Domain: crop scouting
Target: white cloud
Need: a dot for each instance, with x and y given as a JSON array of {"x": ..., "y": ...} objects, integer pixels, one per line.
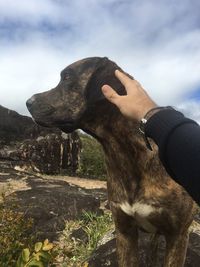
[
  {"x": 157, "y": 42},
  {"x": 190, "y": 109},
  {"x": 31, "y": 11}
]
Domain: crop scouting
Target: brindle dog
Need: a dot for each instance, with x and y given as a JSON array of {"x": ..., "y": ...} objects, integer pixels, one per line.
[{"x": 140, "y": 192}]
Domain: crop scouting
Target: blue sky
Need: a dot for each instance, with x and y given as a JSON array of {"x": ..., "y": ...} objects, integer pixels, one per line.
[{"x": 158, "y": 42}]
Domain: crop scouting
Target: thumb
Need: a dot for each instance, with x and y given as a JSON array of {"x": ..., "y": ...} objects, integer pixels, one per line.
[{"x": 110, "y": 94}]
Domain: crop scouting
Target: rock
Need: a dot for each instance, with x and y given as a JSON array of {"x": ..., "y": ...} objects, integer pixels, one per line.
[
  {"x": 52, "y": 153},
  {"x": 106, "y": 238},
  {"x": 80, "y": 235},
  {"x": 15, "y": 127},
  {"x": 34, "y": 147},
  {"x": 50, "y": 202},
  {"x": 71, "y": 151},
  {"x": 105, "y": 254}
]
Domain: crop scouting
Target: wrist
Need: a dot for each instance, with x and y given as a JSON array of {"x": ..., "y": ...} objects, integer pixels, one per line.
[
  {"x": 145, "y": 110},
  {"x": 145, "y": 119}
]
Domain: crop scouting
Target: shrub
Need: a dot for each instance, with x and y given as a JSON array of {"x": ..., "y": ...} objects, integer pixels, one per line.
[
  {"x": 91, "y": 159},
  {"x": 14, "y": 234},
  {"x": 16, "y": 239},
  {"x": 40, "y": 256}
]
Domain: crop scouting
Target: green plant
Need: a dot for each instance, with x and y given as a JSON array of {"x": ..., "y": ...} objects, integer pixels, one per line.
[
  {"x": 95, "y": 227},
  {"x": 76, "y": 252},
  {"x": 41, "y": 256},
  {"x": 91, "y": 158},
  {"x": 14, "y": 233}
]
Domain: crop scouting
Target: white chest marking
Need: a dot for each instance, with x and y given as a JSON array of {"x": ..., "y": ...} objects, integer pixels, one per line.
[{"x": 140, "y": 212}]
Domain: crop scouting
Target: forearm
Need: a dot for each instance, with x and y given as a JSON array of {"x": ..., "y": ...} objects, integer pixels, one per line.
[{"x": 178, "y": 139}]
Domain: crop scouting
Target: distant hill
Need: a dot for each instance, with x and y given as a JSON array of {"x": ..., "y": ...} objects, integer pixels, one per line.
[{"x": 16, "y": 127}]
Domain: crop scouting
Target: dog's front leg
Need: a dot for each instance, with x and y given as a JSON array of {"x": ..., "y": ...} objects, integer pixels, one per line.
[
  {"x": 176, "y": 247},
  {"x": 126, "y": 239}
]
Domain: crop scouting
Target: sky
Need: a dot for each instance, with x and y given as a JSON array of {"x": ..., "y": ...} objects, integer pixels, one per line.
[{"x": 157, "y": 42}]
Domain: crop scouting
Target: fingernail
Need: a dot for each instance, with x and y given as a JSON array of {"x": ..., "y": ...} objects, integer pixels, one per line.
[
  {"x": 118, "y": 72},
  {"x": 104, "y": 87}
]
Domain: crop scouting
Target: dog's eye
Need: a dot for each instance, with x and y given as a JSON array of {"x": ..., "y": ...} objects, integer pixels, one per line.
[{"x": 66, "y": 76}]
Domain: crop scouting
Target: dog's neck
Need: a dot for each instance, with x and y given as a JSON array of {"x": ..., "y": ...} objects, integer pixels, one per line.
[
  {"x": 126, "y": 154},
  {"x": 117, "y": 133}
]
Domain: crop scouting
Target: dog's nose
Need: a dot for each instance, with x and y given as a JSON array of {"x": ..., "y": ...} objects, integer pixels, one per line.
[{"x": 30, "y": 101}]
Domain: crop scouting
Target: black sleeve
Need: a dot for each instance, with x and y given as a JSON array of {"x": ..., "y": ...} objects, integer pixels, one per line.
[{"x": 178, "y": 140}]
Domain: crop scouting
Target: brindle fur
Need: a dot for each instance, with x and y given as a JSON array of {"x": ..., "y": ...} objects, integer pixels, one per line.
[{"x": 135, "y": 174}]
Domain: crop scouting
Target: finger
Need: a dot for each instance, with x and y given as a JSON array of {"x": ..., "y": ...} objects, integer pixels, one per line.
[
  {"x": 110, "y": 94},
  {"x": 124, "y": 79},
  {"x": 129, "y": 84}
]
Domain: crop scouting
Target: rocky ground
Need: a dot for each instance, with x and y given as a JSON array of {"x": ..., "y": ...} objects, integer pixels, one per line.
[{"x": 51, "y": 200}]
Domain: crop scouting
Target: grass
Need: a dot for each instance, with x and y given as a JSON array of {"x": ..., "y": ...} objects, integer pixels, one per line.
[
  {"x": 16, "y": 237},
  {"x": 74, "y": 252}
]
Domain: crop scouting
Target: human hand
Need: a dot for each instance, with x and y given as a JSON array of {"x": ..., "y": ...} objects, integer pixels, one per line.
[{"x": 133, "y": 105}]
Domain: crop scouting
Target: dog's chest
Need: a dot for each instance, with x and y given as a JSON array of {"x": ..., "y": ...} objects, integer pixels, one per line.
[{"x": 141, "y": 212}]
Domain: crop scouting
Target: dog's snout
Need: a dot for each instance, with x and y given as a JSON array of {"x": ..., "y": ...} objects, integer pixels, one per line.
[{"x": 30, "y": 101}]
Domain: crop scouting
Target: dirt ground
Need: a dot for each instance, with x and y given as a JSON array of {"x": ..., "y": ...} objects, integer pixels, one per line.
[
  {"x": 81, "y": 182},
  {"x": 13, "y": 179}
]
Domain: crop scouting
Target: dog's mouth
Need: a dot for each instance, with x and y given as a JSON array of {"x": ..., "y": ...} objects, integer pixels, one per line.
[
  {"x": 65, "y": 126},
  {"x": 43, "y": 124}
]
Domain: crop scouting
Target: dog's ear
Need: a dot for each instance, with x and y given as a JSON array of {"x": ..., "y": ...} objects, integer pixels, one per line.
[
  {"x": 93, "y": 93},
  {"x": 104, "y": 73}
]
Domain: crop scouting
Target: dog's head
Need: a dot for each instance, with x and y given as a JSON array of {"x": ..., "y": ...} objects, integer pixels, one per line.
[{"x": 78, "y": 97}]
